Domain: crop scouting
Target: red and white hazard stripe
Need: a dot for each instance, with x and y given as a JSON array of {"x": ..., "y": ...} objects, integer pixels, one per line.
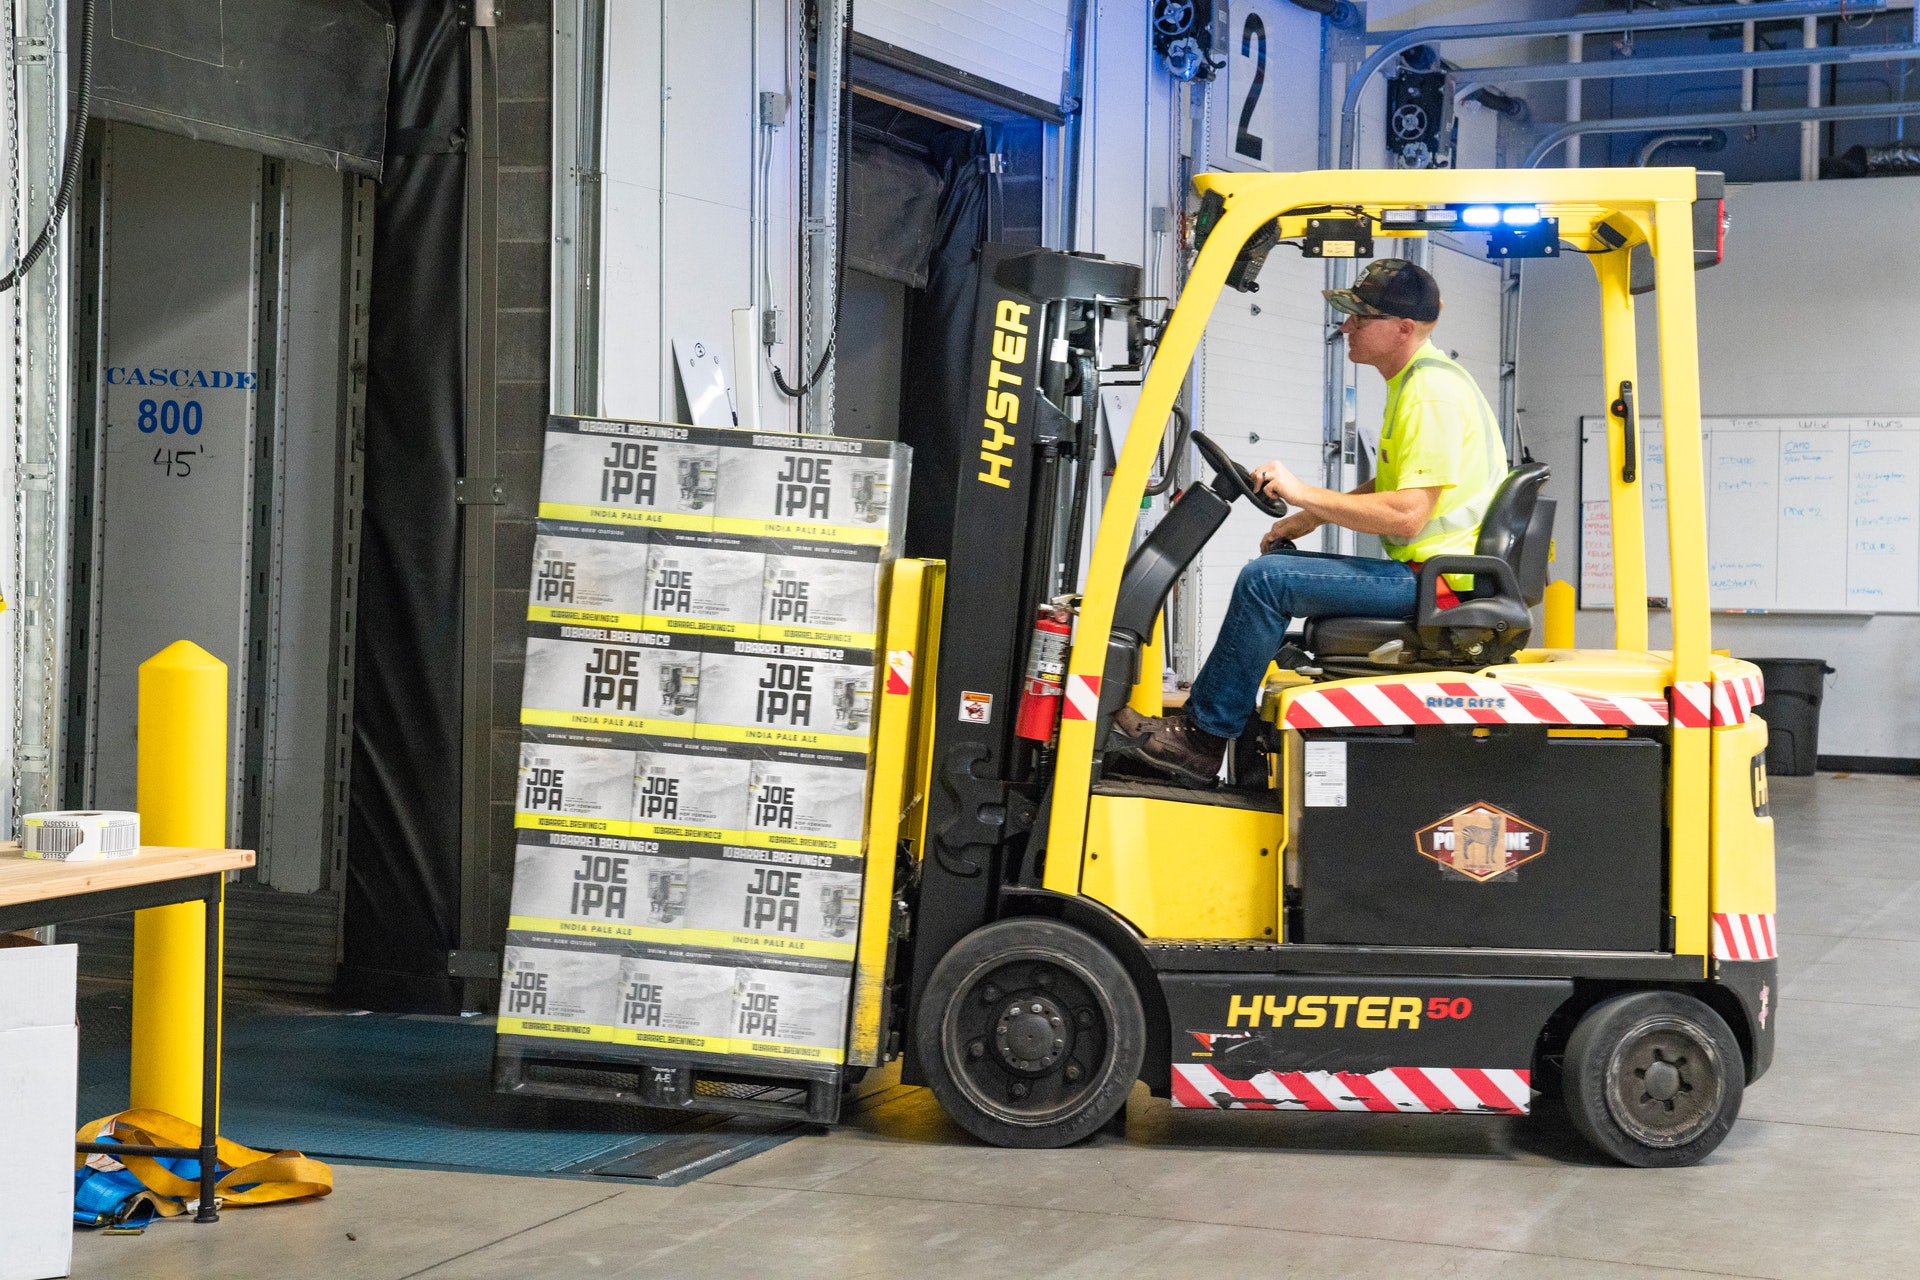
[
  {"x": 1702, "y": 704},
  {"x": 1447, "y": 1090},
  {"x": 1744, "y": 936},
  {"x": 1468, "y": 701},
  {"x": 899, "y": 671},
  {"x": 1083, "y": 698}
]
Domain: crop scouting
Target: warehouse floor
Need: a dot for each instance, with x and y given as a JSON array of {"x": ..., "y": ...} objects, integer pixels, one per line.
[{"x": 1820, "y": 1177}]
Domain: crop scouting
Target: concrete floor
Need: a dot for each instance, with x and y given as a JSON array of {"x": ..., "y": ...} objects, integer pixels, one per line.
[{"x": 1821, "y": 1177}]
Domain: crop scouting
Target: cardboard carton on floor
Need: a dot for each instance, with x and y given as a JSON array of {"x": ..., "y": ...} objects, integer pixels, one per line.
[{"x": 39, "y": 1064}]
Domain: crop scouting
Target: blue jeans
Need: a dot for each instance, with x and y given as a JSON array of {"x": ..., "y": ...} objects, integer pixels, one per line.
[{"x": 1270, "y": 593}]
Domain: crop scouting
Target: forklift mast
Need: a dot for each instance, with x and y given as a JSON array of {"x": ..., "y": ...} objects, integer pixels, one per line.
[{"x": 1023, "y": 478}]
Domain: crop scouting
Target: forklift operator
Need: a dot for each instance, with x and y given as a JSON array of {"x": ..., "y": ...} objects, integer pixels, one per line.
[{"x": 1440, "y": 461}]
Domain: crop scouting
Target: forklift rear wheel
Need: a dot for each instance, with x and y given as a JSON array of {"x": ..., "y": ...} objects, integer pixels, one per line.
[
  {"x": 1030, "y": 1034},
  {"x": 1654, "y": 1079}
]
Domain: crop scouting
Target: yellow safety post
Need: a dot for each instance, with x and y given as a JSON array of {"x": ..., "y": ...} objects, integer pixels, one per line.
[
  {"x": 182, "y": 799},
  {"x": 1559, "y": 615},
  {"x": 1148, "y": 695}
]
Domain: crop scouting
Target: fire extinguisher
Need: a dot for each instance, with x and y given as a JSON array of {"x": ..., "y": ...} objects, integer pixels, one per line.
[{"x": 1046, "y": 669}]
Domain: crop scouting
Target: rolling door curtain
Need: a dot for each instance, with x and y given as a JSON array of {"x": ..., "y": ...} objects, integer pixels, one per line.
[
  {"x": 302, "y": 80},
  {"x": 402, "y": 908},
  {"x": 1017, "y": 44}
]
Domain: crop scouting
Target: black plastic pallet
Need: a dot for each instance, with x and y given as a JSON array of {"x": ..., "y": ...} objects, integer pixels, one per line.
[{"x": 730, "y": 1084}]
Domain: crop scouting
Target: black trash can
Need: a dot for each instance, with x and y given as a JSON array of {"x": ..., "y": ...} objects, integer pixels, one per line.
[{"x": 1792, "y": 712}]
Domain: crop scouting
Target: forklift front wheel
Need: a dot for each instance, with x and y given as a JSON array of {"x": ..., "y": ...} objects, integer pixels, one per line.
[
  {"x": 1653, "y": 1078},
  {"x": 1030, "y": 1034}
]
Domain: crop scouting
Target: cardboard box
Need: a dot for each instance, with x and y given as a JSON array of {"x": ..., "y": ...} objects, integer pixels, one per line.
[
  {"x": 794, "y": 1009},
  {"x": 705, "y": 583},
  {"x": 675, "y": 998},
  {"x": 807, "y": 800},
  {"x": 564, "y": 786},
  {"x": 775, "y": 900},
  {"x": 824, "y": 488},
  {"x": 795, "y": 695},
  {"x": 596, "y": 886},
  {"x": 593, "y": 574},
  {"x": 39, "y": 1068},
  {"x": 690, "y": 790},
  {"x": 609, "y": 679},
  {"x": 826, "y": 593},
  {"x": 558, "y": 987},
  {"x": 653, "y": 474}
]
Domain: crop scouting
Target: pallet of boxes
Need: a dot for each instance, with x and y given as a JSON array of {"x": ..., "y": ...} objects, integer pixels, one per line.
[{"x": 697, "y": 716}]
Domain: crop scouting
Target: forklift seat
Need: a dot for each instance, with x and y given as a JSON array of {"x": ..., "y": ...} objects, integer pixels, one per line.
[{"x": 1493, "y": 619}]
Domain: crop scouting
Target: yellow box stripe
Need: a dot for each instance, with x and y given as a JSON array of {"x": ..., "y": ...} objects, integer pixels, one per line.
[
  {"x": 704, "y": 626},
  {"x": 561, "y": 822},
  {"x": 780, "y": 737},
  {"x": 715, "y": 939},
  {"x": 617, "y": 724},
  {"x": 554, "y": 1028},
  {"x": 816, "y": 635},
  {"x": 858, "y": 535},
  {"x": 587, "y": 617},
  {"x": 623, "y": 515}
]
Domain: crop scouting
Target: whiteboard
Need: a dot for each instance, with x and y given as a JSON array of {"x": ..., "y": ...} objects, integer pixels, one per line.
[{"x": 1804, "y": 514}]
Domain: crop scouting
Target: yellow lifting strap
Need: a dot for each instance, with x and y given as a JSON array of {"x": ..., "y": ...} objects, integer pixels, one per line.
[{"x": 252, "y": 1177}]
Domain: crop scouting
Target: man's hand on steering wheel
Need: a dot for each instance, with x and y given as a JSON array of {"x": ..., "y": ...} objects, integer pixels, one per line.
[
  {"x": 1277, "y": 481},
  {"x": 1288, "y": 531}
]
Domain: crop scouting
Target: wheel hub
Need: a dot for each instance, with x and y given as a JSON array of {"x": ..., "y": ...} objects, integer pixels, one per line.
[
  {"x": 1032, "y": 1034},
  {"x": 1664, "y": 1083}
]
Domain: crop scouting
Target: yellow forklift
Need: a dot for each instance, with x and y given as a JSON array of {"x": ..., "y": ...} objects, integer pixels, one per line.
[{"x": 1451, "y": 871}]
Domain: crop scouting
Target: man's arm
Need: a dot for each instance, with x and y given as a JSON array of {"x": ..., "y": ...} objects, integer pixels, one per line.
[
  {"x": 1400, "y": 512},
  {"x": 1298, "y": 524}
]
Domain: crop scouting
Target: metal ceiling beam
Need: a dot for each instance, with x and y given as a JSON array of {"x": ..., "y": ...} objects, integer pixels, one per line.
[
  {"x": 1707, "y": 119},
  {"x": 1710, "y": 15},
  {"x": 1471, "y": 78}
]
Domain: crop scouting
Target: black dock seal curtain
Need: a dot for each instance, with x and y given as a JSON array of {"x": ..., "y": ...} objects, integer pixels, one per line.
[
  {"x": 302, "y": 80},
  {"x": 938, "y": 417},
  {"x": 402, "y": 910}
]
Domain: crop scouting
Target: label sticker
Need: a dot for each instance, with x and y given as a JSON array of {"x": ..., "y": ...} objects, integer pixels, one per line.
[
  {"x": 1326, "y": 775},
  {"x": 976, "y": 708},
  {"x": 1482, "y": 843}
]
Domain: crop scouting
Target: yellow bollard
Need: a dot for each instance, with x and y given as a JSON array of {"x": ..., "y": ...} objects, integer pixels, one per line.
[
  {"x": 1559, "y": 616},
  {"x": 1147, "y": 695},
  {"x": 182, "y": 799}
]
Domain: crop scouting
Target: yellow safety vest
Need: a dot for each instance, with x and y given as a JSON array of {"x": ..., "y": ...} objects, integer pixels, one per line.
[{"x": 1454, "y": 527}]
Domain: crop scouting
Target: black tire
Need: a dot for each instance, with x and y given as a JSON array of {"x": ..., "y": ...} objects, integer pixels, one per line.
[
  {"x": 1653, "y": 1079},
  {"x": 1030, "y": 1034}
]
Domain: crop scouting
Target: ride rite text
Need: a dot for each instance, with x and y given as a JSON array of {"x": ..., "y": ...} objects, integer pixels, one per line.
[
  {"x": 629, "y": 473},
  {"x": 804, "y": 488}
]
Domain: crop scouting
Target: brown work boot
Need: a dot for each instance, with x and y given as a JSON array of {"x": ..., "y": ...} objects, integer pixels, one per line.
[{"x": 1174, "y": 745}]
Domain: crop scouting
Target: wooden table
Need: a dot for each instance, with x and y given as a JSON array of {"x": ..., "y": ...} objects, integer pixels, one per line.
[{"x": 36, "y": 893}]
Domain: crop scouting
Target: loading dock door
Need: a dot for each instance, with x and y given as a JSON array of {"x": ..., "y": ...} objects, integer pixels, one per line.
[{"x": 211, "y": 508}]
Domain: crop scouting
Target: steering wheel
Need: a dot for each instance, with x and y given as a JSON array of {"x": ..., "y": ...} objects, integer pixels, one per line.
[{"x": 1237, "y": 480}]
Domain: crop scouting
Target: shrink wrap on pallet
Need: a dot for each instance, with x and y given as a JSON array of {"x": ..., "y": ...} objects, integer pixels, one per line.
[{"x": 697, "y": 710}]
